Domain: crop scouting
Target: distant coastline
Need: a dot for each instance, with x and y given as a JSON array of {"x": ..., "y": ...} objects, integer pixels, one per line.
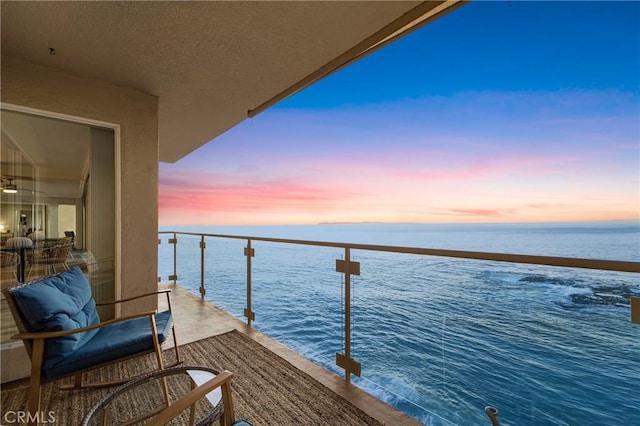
[{"x": 604, "y": 222}]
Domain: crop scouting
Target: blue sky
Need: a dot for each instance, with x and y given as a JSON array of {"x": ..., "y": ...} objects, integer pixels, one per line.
[
  {"x": 498, "y": 112},
  {"x": 494, "y": 46}
]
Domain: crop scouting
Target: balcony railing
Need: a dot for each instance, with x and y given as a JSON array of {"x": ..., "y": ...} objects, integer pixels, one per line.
[{"x": 379, "y": 311}]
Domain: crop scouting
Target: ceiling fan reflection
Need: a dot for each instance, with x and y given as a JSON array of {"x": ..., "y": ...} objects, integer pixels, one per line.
[{"x": 8, "y": 187}]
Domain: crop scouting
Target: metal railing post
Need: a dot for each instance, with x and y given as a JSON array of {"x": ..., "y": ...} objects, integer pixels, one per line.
[
  {"x": 174, "y": 241},
  {"x": 635, "y": 310},
  {"x": 248, "y": 312},
  {"x": 203, "y": 245},
  {"x": 348, "y": 268},
  {"x": 159, "y": 277}
]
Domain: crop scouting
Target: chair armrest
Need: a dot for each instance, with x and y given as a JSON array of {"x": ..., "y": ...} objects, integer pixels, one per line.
[
  {"x": 222, "y": 380},
  {"x": 51, "y": 334},
  {"x": 113, "y": 302}
]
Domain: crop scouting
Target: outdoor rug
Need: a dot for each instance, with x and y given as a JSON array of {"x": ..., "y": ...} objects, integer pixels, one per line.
[{"x": 267, "y": 390}]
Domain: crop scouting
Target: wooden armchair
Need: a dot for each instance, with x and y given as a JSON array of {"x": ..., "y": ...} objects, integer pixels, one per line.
[
  {"x": 223, "y": 381},
  {"x": 62, "y": 332},
  {"x": 200, "y": 396}
]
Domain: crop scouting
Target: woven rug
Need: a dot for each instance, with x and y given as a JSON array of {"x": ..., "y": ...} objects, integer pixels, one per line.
[{"x": 267, "y": 390}]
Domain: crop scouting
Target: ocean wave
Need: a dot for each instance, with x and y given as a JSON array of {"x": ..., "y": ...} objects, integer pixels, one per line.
[{"x": 395, "y": 391}]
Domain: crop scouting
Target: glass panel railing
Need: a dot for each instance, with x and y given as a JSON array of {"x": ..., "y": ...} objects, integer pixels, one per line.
[
  {"x": 297, "y": 299},
  {"x": 187, "y": 265},
  {"x": 224, "y": 269},
  {"x": 225, "y": 278},
  {"x": 439, "y": 335},
  {"x": 398, "y": 307},
  {"x": 441, "y": 339}
]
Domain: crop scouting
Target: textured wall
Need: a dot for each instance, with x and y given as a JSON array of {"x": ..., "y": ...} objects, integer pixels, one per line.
[{"x": 48, "y": 89}]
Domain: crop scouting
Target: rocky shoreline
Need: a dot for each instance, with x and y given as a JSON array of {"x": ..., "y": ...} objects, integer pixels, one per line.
[{"x": 617, "y": 296}]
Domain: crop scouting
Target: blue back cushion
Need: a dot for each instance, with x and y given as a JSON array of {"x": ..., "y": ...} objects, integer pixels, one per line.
[{"x": 59, "y": 302}]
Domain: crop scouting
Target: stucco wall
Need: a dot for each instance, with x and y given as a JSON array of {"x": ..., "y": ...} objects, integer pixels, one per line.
[{"x": 48, "y": 89}]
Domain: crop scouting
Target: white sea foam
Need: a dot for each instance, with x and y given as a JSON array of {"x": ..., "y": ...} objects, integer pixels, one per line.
[{"x": 568, "y": 291}]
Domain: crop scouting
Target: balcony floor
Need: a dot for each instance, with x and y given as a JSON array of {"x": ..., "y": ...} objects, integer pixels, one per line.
[{"x": 191, "y": 314}]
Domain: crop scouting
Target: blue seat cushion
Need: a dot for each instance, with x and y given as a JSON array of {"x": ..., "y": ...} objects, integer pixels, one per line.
[
  {"x": 110, "y": 343},
  {"x": 56, "y": 303}
]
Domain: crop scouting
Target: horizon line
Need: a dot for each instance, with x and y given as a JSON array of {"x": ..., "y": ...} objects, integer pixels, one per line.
[{"x": 595, "y": 221}]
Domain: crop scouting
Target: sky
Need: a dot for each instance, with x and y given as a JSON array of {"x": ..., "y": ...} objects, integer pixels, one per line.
[{"x": 498, "y": 112}]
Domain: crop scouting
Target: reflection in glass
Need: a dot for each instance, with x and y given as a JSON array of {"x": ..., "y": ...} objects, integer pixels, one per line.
[{"x": 57, "y": 182}]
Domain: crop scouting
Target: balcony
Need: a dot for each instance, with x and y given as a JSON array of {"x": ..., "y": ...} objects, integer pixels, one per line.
[
  {"x": 470, "y": 351},
  {"x": 537, "y": 342}
]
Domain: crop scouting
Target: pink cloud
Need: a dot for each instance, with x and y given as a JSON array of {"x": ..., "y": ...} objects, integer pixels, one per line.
[{"x": 228, "y": 196}]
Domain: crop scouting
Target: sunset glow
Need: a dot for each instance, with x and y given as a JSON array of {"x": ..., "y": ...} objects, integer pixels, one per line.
[{"x": 482, "y": 147}]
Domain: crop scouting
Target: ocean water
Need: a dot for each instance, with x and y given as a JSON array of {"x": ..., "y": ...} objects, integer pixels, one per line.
[{"x": 441, "y": 338}]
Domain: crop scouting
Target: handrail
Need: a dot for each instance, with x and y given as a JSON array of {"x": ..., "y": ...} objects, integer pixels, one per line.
[{"x": 569, "y": 262}]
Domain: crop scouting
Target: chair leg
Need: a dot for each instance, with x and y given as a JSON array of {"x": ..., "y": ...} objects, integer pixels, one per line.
[
  {"x": 192, "y": 414},
  {"x": 34, "y": 388},
  {"x": 158, "y": 350},
  {"x": 227, "y": 402},
  {"x": 175, "y": 345},
  {"x": 156, "y": 343},
  {"x": 77, "y": 380},
  {"x": 173, "y": 331}
]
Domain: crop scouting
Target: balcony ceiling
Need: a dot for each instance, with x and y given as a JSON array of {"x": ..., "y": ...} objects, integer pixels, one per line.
[{"x": 208, "y": 62}]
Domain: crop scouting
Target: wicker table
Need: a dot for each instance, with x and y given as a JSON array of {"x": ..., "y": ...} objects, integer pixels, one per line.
[
  {"x": 141, "y": 398},
  {"x": 19, "y": 245}
]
